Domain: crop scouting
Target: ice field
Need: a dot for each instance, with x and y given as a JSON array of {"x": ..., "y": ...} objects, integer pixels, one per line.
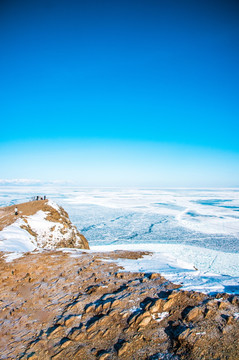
[{"x": 194, "y": 232}]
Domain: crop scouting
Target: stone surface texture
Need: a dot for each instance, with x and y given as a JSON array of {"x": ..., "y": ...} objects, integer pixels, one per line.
[{"x": 55, "y": 305}]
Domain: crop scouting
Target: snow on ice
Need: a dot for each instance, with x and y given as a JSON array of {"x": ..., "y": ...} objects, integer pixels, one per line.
[{"x": 193, "y": 233}]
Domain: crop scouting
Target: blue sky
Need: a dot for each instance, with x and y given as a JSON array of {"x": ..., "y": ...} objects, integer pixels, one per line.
[{"x": 137, "y": 93}]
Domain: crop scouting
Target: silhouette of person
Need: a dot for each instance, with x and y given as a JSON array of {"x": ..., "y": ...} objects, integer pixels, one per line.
[{"x": 16, "y": 211}]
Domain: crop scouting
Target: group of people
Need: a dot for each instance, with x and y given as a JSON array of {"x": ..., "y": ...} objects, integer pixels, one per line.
[{"x": 39, "y": 198}]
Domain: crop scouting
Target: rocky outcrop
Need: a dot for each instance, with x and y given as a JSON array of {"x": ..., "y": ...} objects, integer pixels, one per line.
[
  {"x": 39, "y": 224},
  {"x": 80, "y": 305},
  {"x": 58, "y": 306}
]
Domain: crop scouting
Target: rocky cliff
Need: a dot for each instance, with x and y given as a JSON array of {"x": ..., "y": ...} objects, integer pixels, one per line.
[
  {"x": 39, "y": 224},
  {"x": 57, "y": 305}
]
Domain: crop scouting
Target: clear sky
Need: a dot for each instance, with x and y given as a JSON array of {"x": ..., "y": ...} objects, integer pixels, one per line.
[{"x": 133, "y": 93}]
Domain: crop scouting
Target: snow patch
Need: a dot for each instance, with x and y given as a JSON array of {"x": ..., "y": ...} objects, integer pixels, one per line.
[
  {"x": 15, "y": 239},
  {"x": 236, "y": 316},
  {"x": 160, "y": 316},
  {"x": 12, "y": 256},
  {"x": 49, "y": 233},
  {"x": 53, "y": 205}
]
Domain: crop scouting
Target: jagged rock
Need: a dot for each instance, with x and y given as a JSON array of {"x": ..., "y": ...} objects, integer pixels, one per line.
[
  {"x": 157, "y": 306},
  {"x": 90, "y": 308},
  {"x": 106, "y": 306},
  {"x": 224, "y": 305},
  {"x": 62, "y": 314},
  {"x": 92, "y": 334},
  {"x": 115, "y": 303},
  {"x": 235, "y": 300},
  {"x": 79, "y": 336},
  {"x": 195, "y": 314},
  {"x": 142, "y": 316},
  {"x": 145, "y": 321},
  {"x": 58, "y": 356},
  {"x": 154, "y": 276},
  {"x": 176, "y": 300},
  {"x": 211, "y": 313},
  {"x": 123, "y": 349},
  {"x": 106, "y": 333},
  {"x": 184, "y": 335},
  {"x": 55, "y": 332},
  {"x": 65, "y": 343},
  {"x": 105, "y": 356},
  {"x": 169, "y": 304}
]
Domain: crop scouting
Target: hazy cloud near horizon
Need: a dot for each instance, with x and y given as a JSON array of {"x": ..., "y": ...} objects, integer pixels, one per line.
[{"x": 121, "y": 164}]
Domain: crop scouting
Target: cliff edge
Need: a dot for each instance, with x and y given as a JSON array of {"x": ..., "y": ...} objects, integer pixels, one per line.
[{"x": 38, "y": 224}]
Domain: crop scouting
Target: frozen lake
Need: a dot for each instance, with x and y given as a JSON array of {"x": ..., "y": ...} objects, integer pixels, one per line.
[
  {"x": 206, "y": 218},
  {"x": 199, "y": 227}
]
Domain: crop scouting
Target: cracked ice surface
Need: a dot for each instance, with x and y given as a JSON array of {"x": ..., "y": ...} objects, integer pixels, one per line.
[{"x": 200, "y": 226}]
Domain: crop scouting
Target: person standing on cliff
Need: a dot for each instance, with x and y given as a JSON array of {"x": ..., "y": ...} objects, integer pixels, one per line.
[{"x": 16, "y": 211}]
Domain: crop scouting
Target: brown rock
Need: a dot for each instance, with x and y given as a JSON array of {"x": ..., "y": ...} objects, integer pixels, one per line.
[
  {"x": 115, "y": 303},
  {"x": 169, "y": 304},
  {"x": 66, "y": 343},
  {"x": 92, "y": 334},
  {"x": 64, "y": 295},
  {"x": 55, "y": 332},
  {"x": 210, "y": 313},
  {"x": 70, "y": 320},
  {"x": 195, "y": 314},
  {"x": 106, "y": 306},
  {"x": 230, "y": 320},
  {"x": 145, "y": 321},
  {"x": 224, "y": 305},
  {"x": 58, "y": 356},
  {"x": 124, "y": 348},
  {"x": 90, "y": 308},
  {"x": 104, "y": 356},
  {"x": 79, "y": 336},
  {"x": 106, "y": 333},
  {"x": 184, "y": 335},
  {"x": 157, "y": 306},
  {"x": 143, "y": 315},
  {"x": 235, "y": 300},
  {"x": 154, "y": 276}
]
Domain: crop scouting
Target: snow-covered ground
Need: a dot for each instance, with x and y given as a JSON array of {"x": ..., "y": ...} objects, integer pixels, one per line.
[
  {"x": 197, "y": 228},
  {"x": 195, "y": 268},
  {"x": 16, "y": 237}
]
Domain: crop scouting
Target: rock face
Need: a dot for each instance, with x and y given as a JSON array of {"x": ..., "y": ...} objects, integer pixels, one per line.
[
  {"x": 58, "y": 306},
  {"x": 39, "y": 224}
]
